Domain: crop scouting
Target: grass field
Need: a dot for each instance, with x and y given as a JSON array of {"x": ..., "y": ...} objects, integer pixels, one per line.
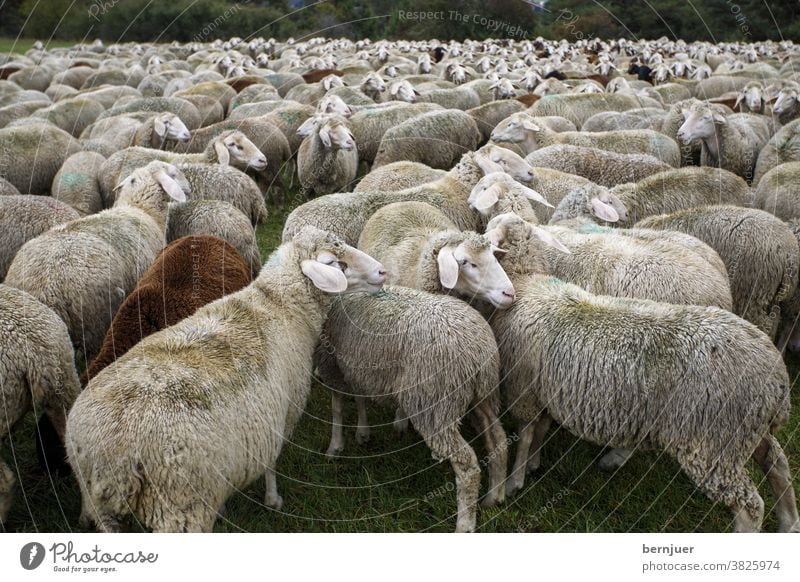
[
  {"x": 392, "y": 484},
  {"x": 20, "y": 45}
]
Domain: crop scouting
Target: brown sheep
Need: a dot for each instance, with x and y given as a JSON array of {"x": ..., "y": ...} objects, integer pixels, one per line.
[{"x": 189, "y": 273}]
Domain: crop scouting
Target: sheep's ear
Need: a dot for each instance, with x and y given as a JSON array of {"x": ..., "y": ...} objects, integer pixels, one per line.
[
  {"x": 448, "y": 268},
  {"x": 530, "y": 125},
  {"x": 738, "y": 100},
  {"x": 498, "y": 252},
  {"x": 487, "y": 198},
  {"x": 604, "y": 211},
  {"x": 325, "y": 278},
  {"x": 325, "y": 136},
  {"x": 170, "y": 186},
  {"x": 532, "y": 194},
  {"x": 160, "y": 127},
  {"x": 719, "y": 118},
  {"x": 547, "y": 238},
  {"x": 223, "y": 155}
]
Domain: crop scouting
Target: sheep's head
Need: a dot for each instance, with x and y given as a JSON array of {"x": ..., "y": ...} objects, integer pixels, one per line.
[
  {"x": 467, "y": 264},
  {"x": 593, "y": 202},
  {"x": 336, "y": 267},
  {"x": 169, "y": 126},
  {"x": 335, "y": 105},
  {"x": 403, "y": 91},
  {"x": 171, "y": 183},
  {"x": 752, "y": 95},
  {"x": 493, "y": 188},
  {"x": 373, "y": 83},
  {"x": 786, "y": 100},
  {"x": 334, "y": 135},
  {"x": 700, "y": 123},
  {"x": 520, "y": 239},
  {"x": 503, "y": 89},
  {"x": 331, "y": 81},
  {"x": 516, "y": 128},
  {"x": 509, "y": 162},
  {"x": 234, "y": 148}
]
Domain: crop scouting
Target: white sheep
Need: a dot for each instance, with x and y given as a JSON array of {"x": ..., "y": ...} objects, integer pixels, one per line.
[
  {"x": 37, "y": 369},
  {"x": 327, "y": 161},
  {"x": 221, "y": 391},
  {"x": 84, "y": 269}
]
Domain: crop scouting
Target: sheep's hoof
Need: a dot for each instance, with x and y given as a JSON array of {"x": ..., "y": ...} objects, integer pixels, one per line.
[
  {"x": 613, "y": 460},
  {"x": 533, "y": 465},
  {"x": 795, "y": 528},
  {"x": 85, "y": 521},
  {"x": 362, "y": 438},
  {"x": 334, "y": 451},
  {"x": 223, "y": 510},
  {"x": 274, "y": 501},
  {"x": 512, "y": 486},
  {"x": 400, "y": 426},
  {"x": 493, "y": 498},
  {"x": 465, "y": 526}
]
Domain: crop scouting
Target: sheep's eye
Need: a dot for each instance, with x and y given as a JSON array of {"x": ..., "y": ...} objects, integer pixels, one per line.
[{"x": 342, "y": 265}]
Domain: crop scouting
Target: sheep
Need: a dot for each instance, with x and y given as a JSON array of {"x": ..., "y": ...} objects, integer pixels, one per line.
[
  {"x": 679, "y": 189},
  {"x": 31, "y": 155},
  {"x": 37, "y": 369},
  {"x": 327, "y": 161},
  {"x": 345, "y": 214},
  {"x": 261, "y": 341},
  {"x": 189, "y": 273},
  {"x": 782, "y": 147},
  {"x": 759, "y": 251},
  {"x": 421, "y": 248},
  {"x": 228, "y": 148},
  {"x": 710, "y": 389},
  {"x": 264, "y": 135},
  {"x": 718, "y": 85},
  {"x": 523, "y": 130},
  {"x": 116, "y": 133},
  {"x": 398, "y": 176},
  {"x": 599, "y": 166},
  {"x": 184, "y": 109},
  {"x": 76, "y": 183},
  {"x": 24, "y": 217},
  {"x": 287, "y": 117},
  {"x": 750, "y": 98},
  {"x": 488, "y": 115},
  {"x": 579, "y": 107},
  {"x": 647, "y": 118},
  {"x": 369, "y": 125},
  {"x": 777, "y": 191},
  {"x": 216, "y": 218},
  {"x": 73, "y": 115},
  {"x": 729, "y": 141},
  {"x": 789, "y": 330},
  {"x": 461, "y": 98},
  {"x": 361, "y": 329},
  {"x": 786, "y": 103},
  {"x": 84, "y": 269},
  {"x": 690, "y": 152},
  {"x": 437, "y": 138},
  {"x": 546, "y": 186}
]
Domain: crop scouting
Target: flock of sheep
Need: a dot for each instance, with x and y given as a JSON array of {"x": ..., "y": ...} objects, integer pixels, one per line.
[{"x": 601, "y": 234}]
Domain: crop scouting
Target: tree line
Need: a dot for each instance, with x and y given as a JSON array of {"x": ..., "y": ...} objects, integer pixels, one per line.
[{"x": 202, "y": 20}]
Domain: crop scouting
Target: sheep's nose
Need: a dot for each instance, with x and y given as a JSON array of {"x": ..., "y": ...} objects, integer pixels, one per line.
[{"x": 510, "y": 293}]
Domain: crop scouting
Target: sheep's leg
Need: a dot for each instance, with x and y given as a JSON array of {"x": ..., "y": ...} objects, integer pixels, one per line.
[
  {"x": 362, "y": 430},
  {"x": 728, "y": 485},
  {"x": 449, "y": 444},
  {"x": 497, "y": 451},
  {"x": 614, "y": 459},
  {"x": 539, "y": 433},
  {"x": 400, "y": 423},
  {"x": 6, "y": 490},
  {"x": 517, "y": 478},
  {"x": 773, "y": 462},
  {"x": 271, "y": 497},
  {"x": 336, "y": 445}
]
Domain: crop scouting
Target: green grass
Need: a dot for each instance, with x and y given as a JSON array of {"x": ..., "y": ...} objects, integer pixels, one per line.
[
  {"x": 392, "y": 484},
  {"x": 20, "y": 45}
]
